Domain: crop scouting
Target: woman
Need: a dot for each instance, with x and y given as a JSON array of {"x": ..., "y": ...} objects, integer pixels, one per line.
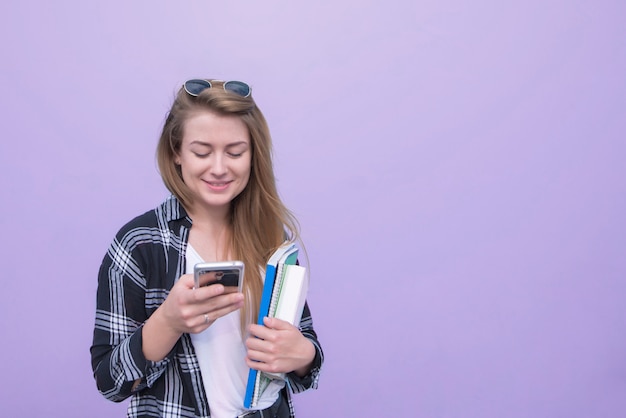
[{"x": 214, "y": 155}]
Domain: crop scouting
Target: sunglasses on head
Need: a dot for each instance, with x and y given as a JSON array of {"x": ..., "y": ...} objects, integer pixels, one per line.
[{"x": 196, "y": 86}]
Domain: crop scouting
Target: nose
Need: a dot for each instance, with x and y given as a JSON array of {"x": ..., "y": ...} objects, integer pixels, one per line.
[{"x": 218, "y": 165}]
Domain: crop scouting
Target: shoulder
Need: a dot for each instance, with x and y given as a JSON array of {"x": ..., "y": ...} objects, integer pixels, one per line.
[
  {"x": 145, "y": 221},
  {"x": 157, "y": 221}
]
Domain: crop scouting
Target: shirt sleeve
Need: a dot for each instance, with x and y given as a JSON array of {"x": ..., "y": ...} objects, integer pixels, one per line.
[
  {"x": 118, "y": 363},
  {"x": 310, "y": 381}
]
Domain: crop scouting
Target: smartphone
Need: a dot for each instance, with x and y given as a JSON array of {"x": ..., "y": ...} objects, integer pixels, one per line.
[{"x": 227, "y": 273}]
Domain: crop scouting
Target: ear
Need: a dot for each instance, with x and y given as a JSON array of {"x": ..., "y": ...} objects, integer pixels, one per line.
[{"x": 177, "y": 159}]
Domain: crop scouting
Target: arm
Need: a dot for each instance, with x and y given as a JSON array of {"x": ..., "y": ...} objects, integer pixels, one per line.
[
  {"x": 117, "y": 357},
  {"x": 130, "y": 351},
  {"x": 298, "y": 380}
]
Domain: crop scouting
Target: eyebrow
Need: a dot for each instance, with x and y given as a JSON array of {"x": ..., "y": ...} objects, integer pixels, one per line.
[{"x": 208, "y": 144}]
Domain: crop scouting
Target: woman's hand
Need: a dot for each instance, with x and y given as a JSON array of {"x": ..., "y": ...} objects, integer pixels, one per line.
[
  {"x": 191, "y": 310},
  {"x": 279, "y": 347},
  {"x": 185, "y": 310}
]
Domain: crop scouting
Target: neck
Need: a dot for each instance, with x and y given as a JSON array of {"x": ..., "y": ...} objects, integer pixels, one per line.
[
  {"x": 209, "y": 233},
  {"x": 211, "y": 217}
]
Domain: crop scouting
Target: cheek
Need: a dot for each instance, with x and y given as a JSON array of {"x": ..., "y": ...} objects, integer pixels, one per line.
[
  {"x": 245, "y": 172},
  {"x": 247, "y": 178},
  {"x": 244, "y": 166},
  {"x": 187, "y": 170},
  {"x": 191, "y": 164}
]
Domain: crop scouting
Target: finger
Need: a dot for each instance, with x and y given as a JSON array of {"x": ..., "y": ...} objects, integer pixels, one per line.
[
  {"x": 254, "y": 364},
  {"x": 186, "y": 280},
  {"x": 225, "y": 300},
  {"x": 202, "y": 294},
  {"x": 259, "y": 350},
  {"x": 269, "y": 365},
  {"x": 201, "y": 323},
  {"x": 275, "y": 323},
  {"x": 255, "y": 359},
  {"x": 254, "y": 343},
  {"x": 215, "y": 306},
  {"x": 206, "y": 318},
  {"x": 224, "y": 310},
  {"x": 260, "y": 331}
]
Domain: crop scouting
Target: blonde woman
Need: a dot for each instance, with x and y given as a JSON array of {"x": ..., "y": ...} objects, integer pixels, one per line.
[{"x": 184, "y": 352}]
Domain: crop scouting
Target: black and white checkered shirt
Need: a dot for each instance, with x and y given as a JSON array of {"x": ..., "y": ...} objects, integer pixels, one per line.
[{"x": 140, "y": 267}]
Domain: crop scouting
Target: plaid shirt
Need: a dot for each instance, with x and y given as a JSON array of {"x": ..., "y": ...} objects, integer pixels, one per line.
[{"x": 140, "y": 267}]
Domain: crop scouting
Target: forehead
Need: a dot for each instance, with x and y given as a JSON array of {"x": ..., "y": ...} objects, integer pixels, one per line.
[{"x": 211, "y": 127}]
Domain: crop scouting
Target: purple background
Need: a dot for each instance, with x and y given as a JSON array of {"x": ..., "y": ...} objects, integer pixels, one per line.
[{"x": 457, "y": 167}]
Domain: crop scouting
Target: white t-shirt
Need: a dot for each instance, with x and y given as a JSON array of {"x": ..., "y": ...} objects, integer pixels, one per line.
[{"x": 221, "y": 354}]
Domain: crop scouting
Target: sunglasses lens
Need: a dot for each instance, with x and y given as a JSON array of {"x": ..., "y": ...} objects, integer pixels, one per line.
[
  {"x": 195, "y": 87},
  {"x": 237, "y": 87}
]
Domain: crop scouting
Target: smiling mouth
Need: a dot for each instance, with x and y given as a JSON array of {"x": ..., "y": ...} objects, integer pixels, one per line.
[{"x": 217, "y": 185}]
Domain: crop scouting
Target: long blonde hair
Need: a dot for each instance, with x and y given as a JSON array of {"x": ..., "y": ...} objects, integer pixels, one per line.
[{"x": 259, "y": 220}]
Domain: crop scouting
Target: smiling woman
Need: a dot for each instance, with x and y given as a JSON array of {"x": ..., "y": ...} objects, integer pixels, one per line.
[{"x": 181, "y": 351}]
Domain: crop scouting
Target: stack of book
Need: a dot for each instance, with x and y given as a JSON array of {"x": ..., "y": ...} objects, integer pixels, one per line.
[{"x": 283, "y": 297}]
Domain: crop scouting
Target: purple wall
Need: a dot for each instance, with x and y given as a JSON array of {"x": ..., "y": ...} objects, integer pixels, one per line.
[{"x": 458, "y": 169}]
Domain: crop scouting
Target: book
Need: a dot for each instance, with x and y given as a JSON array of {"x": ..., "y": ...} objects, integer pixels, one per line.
[
  {"x": 290, "y": 258},
  {"x": 286, "y": 254},
  {"x": 288, "y": 298},
  {"x": 293, "y": 289}
]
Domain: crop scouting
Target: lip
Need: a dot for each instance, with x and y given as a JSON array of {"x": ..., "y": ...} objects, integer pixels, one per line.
[{"x": 217, "y": 186}]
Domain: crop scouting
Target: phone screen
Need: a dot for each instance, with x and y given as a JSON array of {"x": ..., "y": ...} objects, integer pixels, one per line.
[{"x": 228, "y": 274}]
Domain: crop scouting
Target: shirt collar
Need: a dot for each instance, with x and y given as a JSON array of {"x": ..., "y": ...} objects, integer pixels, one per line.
[{"x": 173, "y": 210}]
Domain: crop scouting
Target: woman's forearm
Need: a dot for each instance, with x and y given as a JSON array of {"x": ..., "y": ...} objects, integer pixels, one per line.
[{"x": 158, "y": 338}]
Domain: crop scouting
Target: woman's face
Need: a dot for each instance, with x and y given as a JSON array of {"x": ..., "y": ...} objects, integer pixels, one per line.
[{"x": 215, "y": 159}]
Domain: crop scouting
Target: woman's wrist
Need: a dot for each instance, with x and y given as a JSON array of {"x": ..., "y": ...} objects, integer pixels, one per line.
[
  {"x": 158, "y": 337},
  {"x": 309, "y": 356}
]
